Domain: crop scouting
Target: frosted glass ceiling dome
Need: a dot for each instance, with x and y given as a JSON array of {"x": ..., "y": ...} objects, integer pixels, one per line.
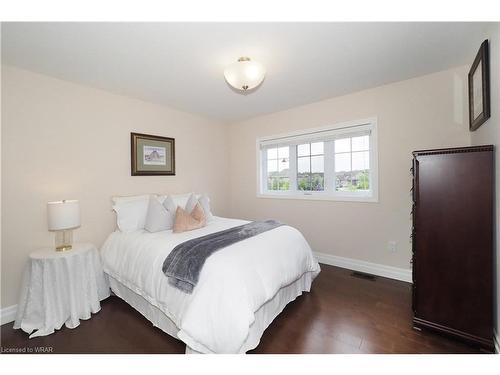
[{"x": 245, "y": 74}]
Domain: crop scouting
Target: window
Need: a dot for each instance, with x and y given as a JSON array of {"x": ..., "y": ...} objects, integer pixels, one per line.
[
  {"x": 310, "y": 166},
  {"x": 352, "y": 164},
  {"x": 278, "y": 165},
  {"x": 336, "y": 163}
]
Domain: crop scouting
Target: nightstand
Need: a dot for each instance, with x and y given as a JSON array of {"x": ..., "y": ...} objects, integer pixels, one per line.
[{"x": 60, "y": 288}]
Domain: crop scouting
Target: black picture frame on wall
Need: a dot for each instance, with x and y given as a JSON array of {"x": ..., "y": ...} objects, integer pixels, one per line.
[
  {"x": 152, "y": 155},
  {"x": 479, "y": 88}
]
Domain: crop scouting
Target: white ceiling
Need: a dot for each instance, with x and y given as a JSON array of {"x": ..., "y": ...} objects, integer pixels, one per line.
[{"x": 181, "y": 64}]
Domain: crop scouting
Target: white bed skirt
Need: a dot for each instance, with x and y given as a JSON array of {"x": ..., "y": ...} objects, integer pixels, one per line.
[{"x": 263, "y": 316}]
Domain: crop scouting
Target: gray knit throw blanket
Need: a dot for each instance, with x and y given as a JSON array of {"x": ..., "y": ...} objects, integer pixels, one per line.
[{"x": 184, "y": 264}]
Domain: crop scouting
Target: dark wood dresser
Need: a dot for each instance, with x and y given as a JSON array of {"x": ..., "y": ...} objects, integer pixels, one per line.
[{"x": 452, "y": 242}]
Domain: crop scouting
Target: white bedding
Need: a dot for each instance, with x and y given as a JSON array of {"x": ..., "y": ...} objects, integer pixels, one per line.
[{"x": 234, "y": 283}]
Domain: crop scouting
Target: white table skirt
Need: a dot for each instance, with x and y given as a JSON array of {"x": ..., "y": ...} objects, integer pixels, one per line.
[{"x": 60, "y": 288}]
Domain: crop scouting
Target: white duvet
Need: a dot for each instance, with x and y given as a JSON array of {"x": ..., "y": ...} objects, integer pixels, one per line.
[{"x": 234, "y": 282}]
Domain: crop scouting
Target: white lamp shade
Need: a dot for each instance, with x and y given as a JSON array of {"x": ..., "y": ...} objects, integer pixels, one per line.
[
  {"x": 245, "y": 74},
  {"x": 63, "y": 214}
]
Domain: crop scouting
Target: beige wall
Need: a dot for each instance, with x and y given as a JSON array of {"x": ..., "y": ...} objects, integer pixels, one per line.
[
  {"x": 489, "y": 133},
  {"x": 420, "y": 113},
  {"x": 61, "y": 140}
]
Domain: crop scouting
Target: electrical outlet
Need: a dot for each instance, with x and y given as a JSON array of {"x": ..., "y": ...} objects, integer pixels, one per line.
[{"x": 392, "y": 246}]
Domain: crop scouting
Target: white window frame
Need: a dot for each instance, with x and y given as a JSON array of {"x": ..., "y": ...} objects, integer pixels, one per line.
[{"x": 329, "y": 173}]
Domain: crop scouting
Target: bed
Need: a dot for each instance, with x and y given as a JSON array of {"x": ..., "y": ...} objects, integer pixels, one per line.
[{"x": 241, "y": 288}]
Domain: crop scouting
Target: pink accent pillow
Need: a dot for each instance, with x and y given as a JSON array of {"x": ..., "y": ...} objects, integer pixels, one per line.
[{"x": 185, "y": 221}]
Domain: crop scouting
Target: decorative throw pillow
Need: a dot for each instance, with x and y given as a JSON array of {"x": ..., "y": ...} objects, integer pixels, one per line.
[
  {"x": 185, "y": 221},
  {"x": 159, "y": 217},
  {"x": 199, "y": 215},
  {"x": 203, "y": 200}
]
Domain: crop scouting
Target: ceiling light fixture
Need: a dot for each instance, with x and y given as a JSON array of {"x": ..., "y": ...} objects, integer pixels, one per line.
[{"x": 245, "y": 74}]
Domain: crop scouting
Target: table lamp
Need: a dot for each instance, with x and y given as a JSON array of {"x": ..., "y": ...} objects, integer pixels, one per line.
[{"x": 63, "y": 216}]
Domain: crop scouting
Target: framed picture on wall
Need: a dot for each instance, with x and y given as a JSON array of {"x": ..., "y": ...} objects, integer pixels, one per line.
[
  {"x": 479, "y": 88},
  {"x": 152, "y": 155}
]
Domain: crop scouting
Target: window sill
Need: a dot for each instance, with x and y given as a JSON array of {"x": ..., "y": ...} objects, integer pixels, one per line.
[{"x": 319, "y": 197}]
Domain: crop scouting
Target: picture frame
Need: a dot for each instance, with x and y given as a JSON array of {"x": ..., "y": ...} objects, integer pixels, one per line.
[
  {"x": 479, "y": 88},
  {"x": 152, "y": 155}
]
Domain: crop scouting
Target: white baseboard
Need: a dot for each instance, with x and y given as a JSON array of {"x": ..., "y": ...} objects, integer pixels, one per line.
[
  {"x": 496, "y": 338},
  {"x": 8, "y": 314},
  {"x": 390, "y": 272}
]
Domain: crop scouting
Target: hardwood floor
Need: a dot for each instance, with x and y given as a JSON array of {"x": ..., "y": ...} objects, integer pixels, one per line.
[{"x": 342, "y": 314}]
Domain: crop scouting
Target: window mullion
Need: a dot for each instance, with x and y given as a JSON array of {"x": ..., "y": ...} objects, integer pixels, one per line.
[
  {"x": 329, "y": 167},
  {"x": 350, "y": 140},
  {"x": 310, "y": 168}
]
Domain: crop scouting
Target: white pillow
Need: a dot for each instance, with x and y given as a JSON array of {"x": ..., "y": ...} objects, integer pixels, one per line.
[
  {"x": 181, "y": 199},
  {"x": 170, "y": 206},
  {"x": 204, "y": 202},
  {"x": 131, "y": 212},
  {"x": 158, "y": 217},
  {"x": 129, "y": 198}
]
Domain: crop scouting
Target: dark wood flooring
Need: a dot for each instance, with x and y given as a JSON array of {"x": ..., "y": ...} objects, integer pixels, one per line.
[{"x": 342, "y": 314}]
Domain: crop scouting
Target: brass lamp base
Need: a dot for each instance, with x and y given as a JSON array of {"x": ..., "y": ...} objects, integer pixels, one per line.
[
  {"x": 64, "y": 239},
  {"x": 64, "y": 248}
]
